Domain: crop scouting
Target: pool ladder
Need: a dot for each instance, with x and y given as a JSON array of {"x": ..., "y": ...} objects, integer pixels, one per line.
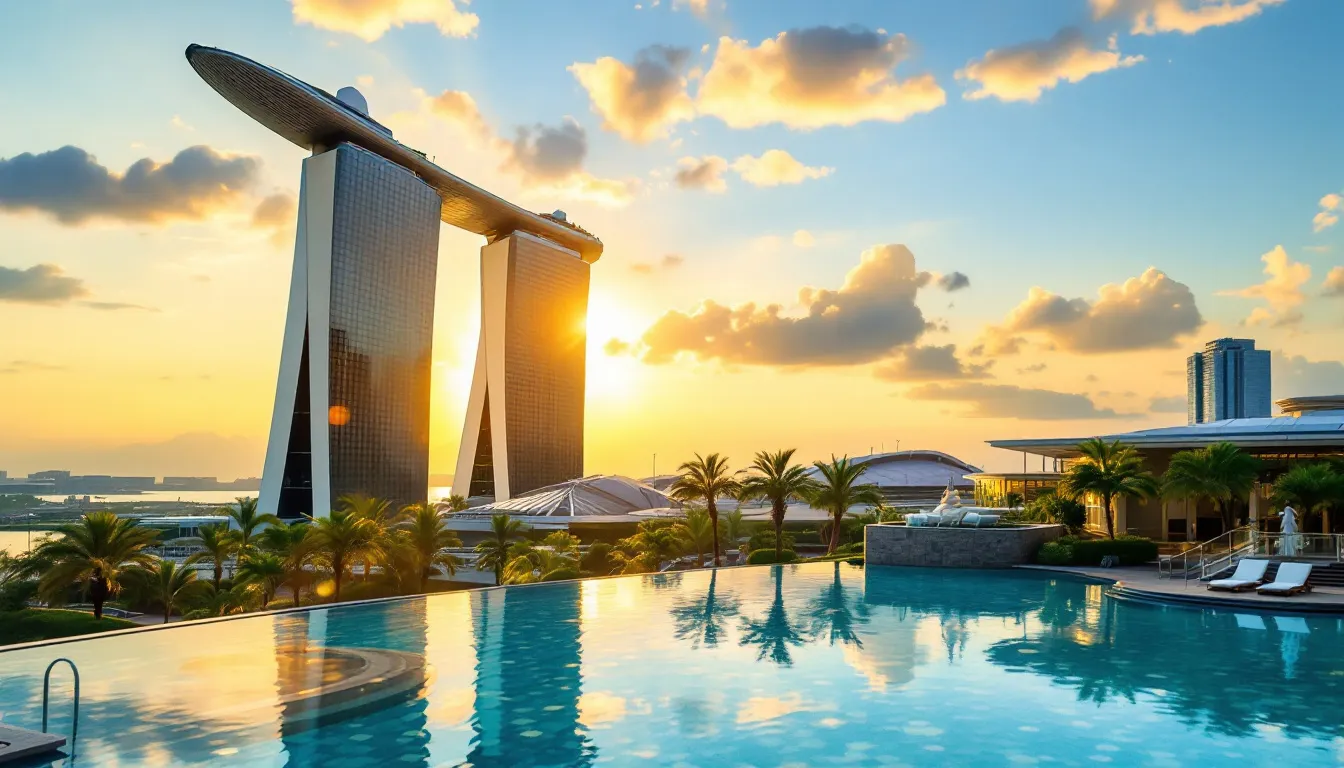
[{"x": 46, "y": 698}]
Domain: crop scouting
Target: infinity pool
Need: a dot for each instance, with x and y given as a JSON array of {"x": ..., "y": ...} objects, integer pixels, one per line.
[{"x": 811, "y": 665}]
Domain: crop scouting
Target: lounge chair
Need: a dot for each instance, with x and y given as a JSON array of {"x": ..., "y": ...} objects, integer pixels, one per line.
[
  {"x": 1290, "y": 580},
  {"x": 971, "y": 519},
  {"x": 988, "y": 521},
  {"x": 1249, "y": 573}
]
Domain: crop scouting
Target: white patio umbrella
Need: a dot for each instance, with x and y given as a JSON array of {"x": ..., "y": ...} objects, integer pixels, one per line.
[{"x": 1288, "y": 527}]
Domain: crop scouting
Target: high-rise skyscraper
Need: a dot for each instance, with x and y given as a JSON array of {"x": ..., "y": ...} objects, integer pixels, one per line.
[
  {"x": 352, "y": 403},
  {"x": 524, "y": 427},
  {"x": 1228, "y": 380}
]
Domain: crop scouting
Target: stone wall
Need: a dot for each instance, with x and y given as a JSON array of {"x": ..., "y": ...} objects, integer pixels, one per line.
[{"x": 955, "y": 547}]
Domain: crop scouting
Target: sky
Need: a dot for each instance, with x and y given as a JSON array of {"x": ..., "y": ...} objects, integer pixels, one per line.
[{"x": 838, "y": 227}]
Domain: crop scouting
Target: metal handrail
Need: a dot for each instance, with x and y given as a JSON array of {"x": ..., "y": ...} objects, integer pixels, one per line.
[
  {"x": 1214, "y": 555},
  {"x": 46, "y": 699}
]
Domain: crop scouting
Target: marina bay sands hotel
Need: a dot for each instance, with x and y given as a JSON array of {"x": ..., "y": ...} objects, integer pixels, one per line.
[{"x": 352, "y": 403}]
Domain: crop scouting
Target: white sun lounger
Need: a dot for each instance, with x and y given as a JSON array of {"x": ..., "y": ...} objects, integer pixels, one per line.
[
  {"x": 1291, "y": 579},
  {"x": 1249, "y": 573}
]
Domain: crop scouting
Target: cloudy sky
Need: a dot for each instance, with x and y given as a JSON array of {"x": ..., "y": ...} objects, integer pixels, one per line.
[{"x": 830, "y": 226}]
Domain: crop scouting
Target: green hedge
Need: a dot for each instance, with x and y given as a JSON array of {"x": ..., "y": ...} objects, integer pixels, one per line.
[
  {"x": 767, "y": 556},
  {"x": 31, "y": 624},
  {"x": 1071, "y": 550}
]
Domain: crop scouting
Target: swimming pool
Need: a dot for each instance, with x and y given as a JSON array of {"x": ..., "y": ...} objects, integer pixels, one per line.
[{"x": 817, "y": 664}]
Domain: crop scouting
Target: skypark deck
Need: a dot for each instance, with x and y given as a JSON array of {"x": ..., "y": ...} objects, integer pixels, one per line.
[{"x": 313, "y": 118}]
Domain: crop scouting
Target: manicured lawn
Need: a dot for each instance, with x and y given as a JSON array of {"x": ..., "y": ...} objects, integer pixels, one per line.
[{"x": 32, "y": 624}]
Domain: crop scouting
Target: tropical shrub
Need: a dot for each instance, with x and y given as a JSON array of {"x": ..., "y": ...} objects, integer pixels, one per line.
[
  {"x": 856, "y": 548},
  {"x": 1054, "y": 553},
  {"x": 561, "y": 574},
  {"x": 1132, "y": 550},
  {"x": 767, "y": 556},
  {"x": 1052, "y": 508},
  {"x": 597, "y": 560},
  {"x": 764, "y": 538}
]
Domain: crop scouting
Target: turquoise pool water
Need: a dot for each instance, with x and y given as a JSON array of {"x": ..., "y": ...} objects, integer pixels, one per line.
[{"x": 810, "y": 665}]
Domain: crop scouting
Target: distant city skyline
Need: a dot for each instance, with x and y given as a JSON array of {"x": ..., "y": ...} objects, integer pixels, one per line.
[{"x": 826, "y": 227}]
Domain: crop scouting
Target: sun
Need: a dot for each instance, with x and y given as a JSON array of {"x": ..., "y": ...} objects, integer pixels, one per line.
[{"x": 610, "y": 376}]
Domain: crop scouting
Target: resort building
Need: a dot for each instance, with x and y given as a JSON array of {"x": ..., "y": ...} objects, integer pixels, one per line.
[
  {"x": 1229, "y": 380},
  {"x": 1011, "y": 489},
  {"x": 351, "y": 409},
  {"x": 1309, "y": 428},
  {"x": 913, "y": 478}
]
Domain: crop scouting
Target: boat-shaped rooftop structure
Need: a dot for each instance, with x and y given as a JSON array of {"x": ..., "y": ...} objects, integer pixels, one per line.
[{"x": 312, "y": 118}]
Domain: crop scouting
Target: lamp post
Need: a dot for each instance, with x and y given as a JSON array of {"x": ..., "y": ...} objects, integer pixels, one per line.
[{"x": 30, "y": 531}]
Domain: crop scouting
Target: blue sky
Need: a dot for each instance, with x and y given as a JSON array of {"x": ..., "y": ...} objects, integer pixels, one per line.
[{"x": 1218, "y": 146}]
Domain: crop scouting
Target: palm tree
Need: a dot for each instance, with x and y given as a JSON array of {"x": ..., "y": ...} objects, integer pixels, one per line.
[
  {"x": 697, "y": 534},
  {"x": 493, "y": 553},
  {"x": 529, "y": 564},
  {"x": 704, "y": 621},
  {"x": 292, "y": 543},
  {"x": 219, "y": 544},
  {"x": 706, "y": 478},
  {"x": 1108, "y": 470},
  {"x": 248, "y": 520},
  {"x": 1310, "y": 487},
  {"x": 264, "y": 569},
  {"x": 378, "y": 511},
  {"x": 1221, "y": 473},
  {"x": 734, "y": 528},
  {"x": 838, "y": 490},
  {"x": 428, "y": 537},
  {"x": 165, "y": 583},
  {"x": 778, "y": 481},
  {"x": 97, "y": 540},
  {"x": 776, "y": 632},
  {"x": 342, "y": 538},
  {"x": 209, "y": 601},
  {"x": 455, "y": 503},
  {"x": 834, "y": 615}
]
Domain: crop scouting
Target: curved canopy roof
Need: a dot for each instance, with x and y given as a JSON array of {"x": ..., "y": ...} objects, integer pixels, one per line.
[
  {"x": 596, "y": 496},
  {"x": 310, "y": 117},
  {"x": 1309, "y": 428},
  {"x": 914, "y": 469}
]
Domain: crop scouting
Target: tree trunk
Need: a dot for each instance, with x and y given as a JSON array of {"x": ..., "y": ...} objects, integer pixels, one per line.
[
  {"x": 714, "y": 527},
  {"x": 338, "y": 569},
  {"x": 296, "y": 594},
  {"x": 835, "y": 532},
  {"x": 219, "y": 572},
  {"x": 778, "y": 518},
  {"x": 1110, "y": 515},
  {"x": 167, "y": 611}
]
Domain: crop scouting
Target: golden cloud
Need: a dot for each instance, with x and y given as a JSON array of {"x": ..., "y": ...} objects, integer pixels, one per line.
[
  {"x": 1149, "y": 17},
  {"x": 1334, "y": 282},
  {"x": 1145, "y": 312},
  {"x": 702, "y": 173},
  {"x": 810, "y": 78},
  {"x": 1281, "y": 290},
  {"x": 1328, "y": 216},
  {"x": 370, "y": 19},
  {"x": 775, "y": 167},
  {"x": 642, "y": 101},
  {"x": 1023, "y": 72}
]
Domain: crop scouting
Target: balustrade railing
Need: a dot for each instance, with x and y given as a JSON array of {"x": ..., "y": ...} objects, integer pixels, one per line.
[{"x": 1204, "y": 561}]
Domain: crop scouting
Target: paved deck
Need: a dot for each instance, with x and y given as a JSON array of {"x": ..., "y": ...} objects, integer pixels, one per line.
[{"x": 1141, "y": 582}]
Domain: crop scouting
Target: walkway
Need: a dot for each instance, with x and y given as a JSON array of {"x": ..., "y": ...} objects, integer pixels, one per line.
[{"x": 1141, "y": 582}]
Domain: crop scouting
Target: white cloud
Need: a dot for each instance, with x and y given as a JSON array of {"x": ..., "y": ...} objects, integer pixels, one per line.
[
  {"x": 1334, "y": 282},
  {"x": 804, "y": 239}
]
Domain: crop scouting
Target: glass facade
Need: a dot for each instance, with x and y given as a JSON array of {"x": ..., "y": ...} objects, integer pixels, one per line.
[
  {"x": 384, "y": 258},
  {"x": 545, "y": 354},
  {"x": 1230, "y": 379}
]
